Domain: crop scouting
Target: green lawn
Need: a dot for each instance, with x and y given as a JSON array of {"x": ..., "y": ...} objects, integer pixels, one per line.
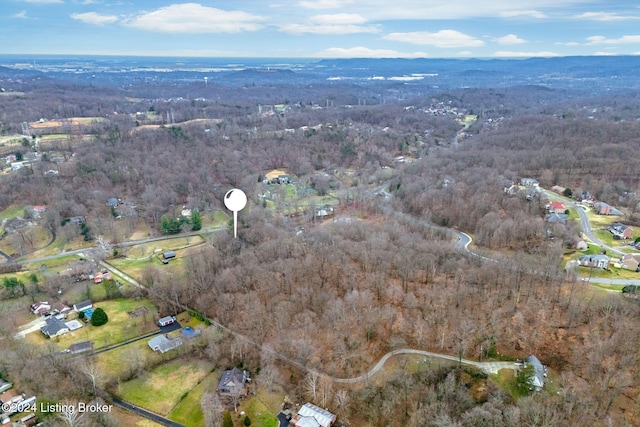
[
  {"x": 258, "y": 413},
  {"x": 165, "y": 386},
  {"x": 119, "y": 328},
  {"x": 11, "y": 212},
  {"x": 188, "y": 410}
]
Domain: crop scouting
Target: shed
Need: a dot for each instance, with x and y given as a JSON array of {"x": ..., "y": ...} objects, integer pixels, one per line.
[
  {"x": 169, "y": 255},
  {"x": 167, "y": 320},
  {"x": 81, "y": 347}
]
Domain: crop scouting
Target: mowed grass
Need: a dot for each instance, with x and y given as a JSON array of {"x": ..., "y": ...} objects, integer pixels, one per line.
[
  {"x": 188, "y": 411},
  {"x": 150, "y": 255},
  {"x": 259, "y": 414},
  {"x": 162, "y": 388},
  {"x": 119, "y": 328},
  {"x": 11, "y": 212}
]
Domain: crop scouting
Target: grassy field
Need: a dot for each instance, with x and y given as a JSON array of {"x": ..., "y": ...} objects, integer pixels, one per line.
[
  {"x": 11, "y": 212},
  {"x": 188, "y": 410},
  {"x": 165, "y": 386},
  {"x": 259, "y": 414},
  {"x": 119, "y": 328},
  {"x": 136, "y": 258}
]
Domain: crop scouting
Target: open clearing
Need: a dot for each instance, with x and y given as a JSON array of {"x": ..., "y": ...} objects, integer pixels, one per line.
[{"x": 162, "y": 388}]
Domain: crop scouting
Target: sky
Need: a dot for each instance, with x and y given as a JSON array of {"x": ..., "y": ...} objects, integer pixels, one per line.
[{"x": 321, "y": 28}]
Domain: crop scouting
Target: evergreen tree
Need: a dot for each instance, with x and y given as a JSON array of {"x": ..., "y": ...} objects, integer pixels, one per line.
[
  {"x": 196, "y": 220},
  {"x": 99, "y": 317}
]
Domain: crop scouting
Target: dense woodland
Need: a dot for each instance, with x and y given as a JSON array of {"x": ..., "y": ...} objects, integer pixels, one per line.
[{"x": 387, "y": 276}]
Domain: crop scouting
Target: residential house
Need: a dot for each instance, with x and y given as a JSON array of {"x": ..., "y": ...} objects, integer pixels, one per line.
[
  {"x": 597, "y": 261},
  {"x": 311, "y": 415},
  {"x": 40, "y": 308},
  {"x": 579, "y": 244},
  {"x": 529, "y": 182},
  {"x": 11, "y": 396},
  {"x": 585, "y": 197},
  {"x": 540, "y": 372},
  {"x": 324, "y": 212},
  {"x": 113, "y": 202},
  {"x": 38, "y": 211},
  {"x": 77, "y": 219},
  {"x": 603, "y": 208},
  {"x": 630, "y": 262},
  {"x": 232, "y": 383},
  {"x": 164, "y": 343},
  {"x": 82, "y": 306},
  {"x": 54, "y": 327},
  {"x": 556, "y": 218},
  {"x": 621, "y": 231},
  {"x": 557, "y": 207}
]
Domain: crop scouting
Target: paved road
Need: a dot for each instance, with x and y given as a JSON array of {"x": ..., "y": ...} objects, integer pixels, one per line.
[
  {"x": 585, "y": 225},
  {"x": 147, "y": 414}
]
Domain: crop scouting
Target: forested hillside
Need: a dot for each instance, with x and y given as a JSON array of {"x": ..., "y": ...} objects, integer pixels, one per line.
[{"x": 382, "y": 272}]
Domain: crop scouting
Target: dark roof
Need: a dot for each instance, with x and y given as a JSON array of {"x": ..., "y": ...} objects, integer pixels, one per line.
[
  {"x": 82, "y": 305},
  {"x": 81, "y": 346},
  {"x": 232, "y": 381},
  {"x": 53, "y": 327}
]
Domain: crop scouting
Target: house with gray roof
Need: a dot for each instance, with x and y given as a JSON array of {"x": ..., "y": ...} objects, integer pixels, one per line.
[
  {"x": 540, "y": 372},
  {"x": 54, "y": 327},
  {"x": 232, "y": 383},
  {"x": 597, "y": 261},
  {"x": 164, "y": 343},
  {"x": 311, "y": 415}
]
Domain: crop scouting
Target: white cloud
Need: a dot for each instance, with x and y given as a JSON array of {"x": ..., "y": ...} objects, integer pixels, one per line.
[
  {"x": 442, "y": 39},
  {"x": 465, "y": 53},
  {"x": 365, "y": 52},
  {"x": 22, "y": 15},
  {"x": 94, "y": 18},
  {"x": 325, "y": 4},
  {"x": 509, "y": 39},
  {"x": 342, "y": 23},
  {"x": 604, "y": 16},
  {"x": 195, "y": 18},
  {"x": 604, "y": 54},
  {"x": 327, "y": 29},
  {"x": 523, "y": 13},
  {"x": 605, "y": 40},
  {"x": 567, "y": 43},
  {"x": 511, "y": 54},
  {"x": 338, "y": 19},
  {"x": 44, "y": 1}
]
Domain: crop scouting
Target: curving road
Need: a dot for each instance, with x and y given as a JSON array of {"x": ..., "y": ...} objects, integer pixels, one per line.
[
  {"x": 487, "y": 367},
  {"x": 585, "y": 225}
]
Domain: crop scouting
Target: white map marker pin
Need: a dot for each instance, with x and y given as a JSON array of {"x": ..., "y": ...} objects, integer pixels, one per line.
[{"x": 235, "y": 200}]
